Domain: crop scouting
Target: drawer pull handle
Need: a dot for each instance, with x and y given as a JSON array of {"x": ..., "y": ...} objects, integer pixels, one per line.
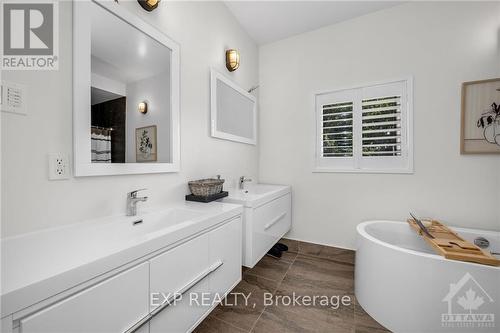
[
  {"x": 273, "y": 222},
  {"x": 172, "y": 297}
]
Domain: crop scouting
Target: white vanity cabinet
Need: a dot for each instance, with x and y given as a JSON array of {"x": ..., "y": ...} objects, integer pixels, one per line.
[
  {"x": 267, "y": 217},
  {"x": 270, "y": 222},
  {"x": 195, "y": 269}
]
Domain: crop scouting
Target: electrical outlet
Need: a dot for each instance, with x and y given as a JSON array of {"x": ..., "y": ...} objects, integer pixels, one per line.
[{"x": 58, "y": 166}]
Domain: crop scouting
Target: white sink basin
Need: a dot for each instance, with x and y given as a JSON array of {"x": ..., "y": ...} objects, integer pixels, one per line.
[
  {"x": 83, "y": 242},
  {"x": 162, "y": 221},
  {"x": 256, "y": 194}
]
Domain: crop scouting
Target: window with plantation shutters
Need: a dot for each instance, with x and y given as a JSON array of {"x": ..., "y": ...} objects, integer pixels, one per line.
[{"x": 365, "y": 129}]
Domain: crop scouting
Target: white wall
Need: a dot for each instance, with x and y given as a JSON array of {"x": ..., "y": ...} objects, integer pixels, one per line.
[
  {"x": 29, "y": 201},
  {"x": 156, "y": 91},
  {"x": 441, "y": 45}
]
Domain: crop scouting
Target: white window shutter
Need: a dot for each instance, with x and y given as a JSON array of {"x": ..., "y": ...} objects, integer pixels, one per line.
[
  {"x": 366, "y": 129},
  {"x": 381, "y": 126},
  {"x": 337, "y": 130}
]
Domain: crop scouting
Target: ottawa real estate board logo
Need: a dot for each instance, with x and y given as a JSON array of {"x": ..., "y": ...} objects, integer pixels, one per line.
[
  {"x": 469, "y": 305},
  {"x": 30, "y": 38}
]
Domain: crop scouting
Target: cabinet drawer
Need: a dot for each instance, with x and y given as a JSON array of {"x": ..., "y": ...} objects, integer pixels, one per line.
[
  {"x": 171, "y": 272},
  {"x": 271, "y": 222},
  {"x": 183, "y": 314},
  {"x": 226, "y": 247},
  {"x": 113, "y": 305},
  {"x": 274, "y": 217},
  {"x": 214, "y": 270}
]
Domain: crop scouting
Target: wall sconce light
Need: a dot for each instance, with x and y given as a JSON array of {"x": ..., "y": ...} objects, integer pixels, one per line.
[
  {"x": 143, "y": 107},
  {"x": 232, "y": 60},
  {"x": 149, "y": 5}
]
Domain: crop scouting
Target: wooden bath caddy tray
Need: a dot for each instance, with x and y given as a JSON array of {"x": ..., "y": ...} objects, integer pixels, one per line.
[{"x": 451, "y": 246}]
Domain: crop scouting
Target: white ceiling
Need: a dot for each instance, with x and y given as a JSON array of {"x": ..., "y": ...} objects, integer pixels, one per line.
[{"x": 269, "y": 21}]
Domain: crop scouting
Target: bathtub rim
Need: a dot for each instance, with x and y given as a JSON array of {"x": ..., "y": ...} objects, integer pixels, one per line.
[{"x": 360, "y": 229}]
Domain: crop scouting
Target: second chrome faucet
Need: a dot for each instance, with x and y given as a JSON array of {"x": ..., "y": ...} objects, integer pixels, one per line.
[{"x": 242, "y": 182}]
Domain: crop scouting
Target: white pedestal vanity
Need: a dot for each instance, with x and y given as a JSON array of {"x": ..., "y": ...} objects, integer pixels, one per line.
[{"x": 122, "y": 274}]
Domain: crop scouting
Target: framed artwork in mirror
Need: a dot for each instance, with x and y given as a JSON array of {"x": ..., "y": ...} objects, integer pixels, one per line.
[
  {"x": 146, "y": 144},
  {"x": 480, "y": 123}
]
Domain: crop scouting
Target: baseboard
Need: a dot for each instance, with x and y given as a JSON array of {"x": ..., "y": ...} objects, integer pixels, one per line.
[{"x": 318, "y": 243}]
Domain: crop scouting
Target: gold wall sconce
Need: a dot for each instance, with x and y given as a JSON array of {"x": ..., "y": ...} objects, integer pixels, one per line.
[
  {"x": 232, "y": 60},
  {"x": 143, "y": 107},
  {"x": 149, "y": 5}
]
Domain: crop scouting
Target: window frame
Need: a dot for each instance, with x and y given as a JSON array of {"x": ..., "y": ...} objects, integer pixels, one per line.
[{"x": 358, "y": 163}]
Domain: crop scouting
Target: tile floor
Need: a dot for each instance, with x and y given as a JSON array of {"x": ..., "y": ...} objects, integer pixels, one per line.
[{"x": 306, "y": 269}]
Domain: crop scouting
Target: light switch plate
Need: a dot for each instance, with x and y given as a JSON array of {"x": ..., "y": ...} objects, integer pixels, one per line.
[
  {"x": 58, "y": 166},
  {"x": 13, "y": 98}
]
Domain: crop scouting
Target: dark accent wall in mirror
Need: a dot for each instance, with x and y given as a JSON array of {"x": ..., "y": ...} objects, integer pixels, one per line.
[{"x": 108, "y": 120}]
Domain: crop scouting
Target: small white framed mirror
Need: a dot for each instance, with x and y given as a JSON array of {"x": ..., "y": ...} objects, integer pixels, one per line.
[
  {"x": 233, "y": 111},
  {"x": 125, "y": 93}
]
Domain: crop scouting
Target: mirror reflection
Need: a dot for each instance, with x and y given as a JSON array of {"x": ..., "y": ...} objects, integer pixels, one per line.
[{"x": 130, "y": 93}]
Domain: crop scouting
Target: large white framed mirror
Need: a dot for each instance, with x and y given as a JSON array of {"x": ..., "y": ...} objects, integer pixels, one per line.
[
  {"x": 125, "y": 93},
  {"x": 233, "y": 111}
]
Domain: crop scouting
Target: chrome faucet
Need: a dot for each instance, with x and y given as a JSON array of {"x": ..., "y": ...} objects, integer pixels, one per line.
[
  {"x": 243, "y": 180},
  {"x": 132, "y": 201}
]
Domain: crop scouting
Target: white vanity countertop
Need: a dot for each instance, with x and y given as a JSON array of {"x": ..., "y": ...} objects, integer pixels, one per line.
[
  {"x": 255, "y": 195},
  {"x": 40, "y": 264}
]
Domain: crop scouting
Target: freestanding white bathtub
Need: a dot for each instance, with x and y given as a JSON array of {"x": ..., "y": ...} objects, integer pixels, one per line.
[{"x": 401, "y": 283}]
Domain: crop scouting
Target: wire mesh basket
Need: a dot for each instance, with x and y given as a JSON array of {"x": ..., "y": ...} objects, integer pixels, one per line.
[{"x": 206, "y": 187}]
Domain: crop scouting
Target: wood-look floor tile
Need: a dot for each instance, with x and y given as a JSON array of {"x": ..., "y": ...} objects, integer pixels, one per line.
[
  {"x": 306, "y": 269},
  {"x": 260, "y": 284},
  {"x": 280, "y": 318},
  {"x": 214, "y": 325},
  {"x": 270, "y": 268},
  {"x": 327, "y": 252},
  {"x": 288, "y": 256},
  {"x": 243, "y": 311},
  {"x": 311, "y": 274},
  {"x": 293, "y": 245},
  {"x": 300, "y": 285}
]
